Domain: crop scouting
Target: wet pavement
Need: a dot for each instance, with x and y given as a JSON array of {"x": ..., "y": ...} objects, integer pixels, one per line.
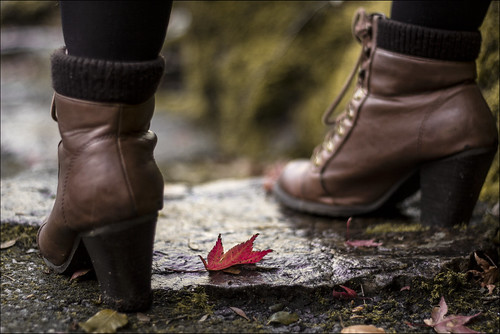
[{"x": 309, "y": 253}]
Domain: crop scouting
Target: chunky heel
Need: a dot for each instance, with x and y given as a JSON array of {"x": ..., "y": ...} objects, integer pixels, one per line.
[
  {"x": 122, "y": 256},
  {"x": 451, "y": 186}
]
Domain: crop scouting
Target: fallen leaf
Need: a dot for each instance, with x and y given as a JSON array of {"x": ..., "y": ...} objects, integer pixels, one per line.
[
  {"x": 239, "y": 254},
  {"x": 358, "y": 243},
  {"x": 485, "y": 265},
  {"x": 490, "y": 287},
  {"x": 349, "y": 294},
  {"x": 489, "y": 274},
  {"x": 362, "y": 329},
  {"x": 450, "y": 324},
  {"x": 105, "y": 321},
  {"x": 405, "y": 288},
  {"x": 202, "y": 319},
  {"x": 363, "y": 243},
  {"x": 143, "y": 318},
  {"x": 239, "y": 312},
  {"x": 8, "y": 244},
  {"x": 232, "y": 270},
  {"x": 283, "y": 317},
  {"x": 276, "y": 307},
  {"x": 79, "y": 273},
  {"x": 358, "y": 308}
]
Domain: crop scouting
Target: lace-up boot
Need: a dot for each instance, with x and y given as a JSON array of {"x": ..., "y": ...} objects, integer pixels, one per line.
[{"x": 416, "y": 120}]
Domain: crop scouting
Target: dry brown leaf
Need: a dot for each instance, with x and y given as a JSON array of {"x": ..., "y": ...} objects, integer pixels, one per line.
[
  {"x": 239, "y": 312},
  {"x": 358, "y": 308},
  {"x": 232, "y": 270},
  {"x": 143, "y": 318},
  {"x": 79, "y": 273},
  {"x": 481, "y": 262},
  {"x": 362, "y": 329},
  {"x": 8, "y": 244},
  {"x": 105, "y": 321},
  {"x": 202, "y": 319},
  {"x": 490, "y": 273},
  {"x": 283, "y": 317}
]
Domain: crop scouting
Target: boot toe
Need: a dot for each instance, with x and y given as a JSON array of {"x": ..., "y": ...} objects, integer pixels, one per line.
[{"x": 290, "y": 180}]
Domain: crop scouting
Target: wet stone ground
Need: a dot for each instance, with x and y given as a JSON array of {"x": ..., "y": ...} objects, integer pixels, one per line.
[{"x": 402, "y": 279}]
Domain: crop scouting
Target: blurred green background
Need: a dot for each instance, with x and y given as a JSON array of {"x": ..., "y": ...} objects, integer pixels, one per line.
[{"x": 259, "y": 74}]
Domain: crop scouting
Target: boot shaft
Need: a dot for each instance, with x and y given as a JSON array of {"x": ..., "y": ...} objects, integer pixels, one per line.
[
  {"x": 107, "y": 168},
  {"x": 81, "y": 122}
]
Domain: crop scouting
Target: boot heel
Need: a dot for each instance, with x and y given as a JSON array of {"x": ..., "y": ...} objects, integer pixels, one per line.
[
  {"x": 122, "y": 256},
  {"x": 451, "y": 186}
]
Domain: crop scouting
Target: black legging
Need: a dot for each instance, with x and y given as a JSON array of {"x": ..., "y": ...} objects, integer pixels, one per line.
[
  {"x": 448, "y": 15},
  {"x": 115, "y": 30},
  {"x": 135, "y": 30}
]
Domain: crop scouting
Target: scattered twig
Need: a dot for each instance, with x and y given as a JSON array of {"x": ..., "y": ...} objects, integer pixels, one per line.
[
  {"x": 176, "y": 318},
  {"x": 491, "y": 261},
  {"x": 362, "y": 293}
]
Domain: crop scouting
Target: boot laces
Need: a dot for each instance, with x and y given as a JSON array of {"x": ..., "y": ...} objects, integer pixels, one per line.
[{"x": 362, "y": 32}]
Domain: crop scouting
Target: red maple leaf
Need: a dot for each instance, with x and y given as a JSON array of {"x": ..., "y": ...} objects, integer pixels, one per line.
[
  {"x": 349, "y": 294},
  {"x": 359, "y": 243},
  {"x": 239, "y": 254}
]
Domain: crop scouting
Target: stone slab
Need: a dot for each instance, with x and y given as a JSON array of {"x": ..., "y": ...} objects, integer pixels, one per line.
[{"x": 308, "y": 251}]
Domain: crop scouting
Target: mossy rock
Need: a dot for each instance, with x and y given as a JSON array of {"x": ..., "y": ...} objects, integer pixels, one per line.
[{"x": 488, "y": 79}]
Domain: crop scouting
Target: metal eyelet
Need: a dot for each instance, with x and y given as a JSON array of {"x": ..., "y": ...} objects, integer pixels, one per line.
[
  {"x": 350, "y": 113},
  {"x": 358, "y": 94},
  {"x": 329, "y": 145},
  {"x": 317, "y": 160},
  {"x": 346, "y": 122},
  {"x": 340, "y": 130}
]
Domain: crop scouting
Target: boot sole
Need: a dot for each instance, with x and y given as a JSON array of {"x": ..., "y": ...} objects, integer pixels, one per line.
[{"x": 450, "y": 189}]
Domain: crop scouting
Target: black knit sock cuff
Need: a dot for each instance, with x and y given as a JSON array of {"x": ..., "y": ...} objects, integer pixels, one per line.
[
  {"x": 428, "y": 42},
  {"x": 104, "y": 80}
]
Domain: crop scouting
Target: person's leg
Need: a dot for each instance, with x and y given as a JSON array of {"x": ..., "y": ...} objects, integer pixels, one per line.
[
  {"x": 115, "y": 30},
  {"x": 449, "y": 15},
  {"x": 416, "y": 120},
  {"x": 109, "y": 187}
]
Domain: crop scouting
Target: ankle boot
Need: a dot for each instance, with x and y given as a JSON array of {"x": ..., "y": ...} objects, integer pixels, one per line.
[
  {"x": 416, "y": 120},
  {"x": 109, "y": 187}
]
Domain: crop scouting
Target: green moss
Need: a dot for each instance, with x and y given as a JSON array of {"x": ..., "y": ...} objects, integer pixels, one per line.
[
  {"x": 488, "y": 80},
  {"x": 25, "y": 235},
  {"x": 394, "y": 227},
  {"x": 193, "y": 303},
  {"x": 447, "y": 284}
]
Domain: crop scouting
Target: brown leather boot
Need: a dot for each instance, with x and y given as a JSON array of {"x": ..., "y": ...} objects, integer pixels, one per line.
[
  {"x": 416, "y": 119},
  {"x": 109, "y": 187}
]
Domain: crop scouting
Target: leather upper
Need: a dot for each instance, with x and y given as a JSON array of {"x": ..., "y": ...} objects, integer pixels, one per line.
[{"x": 107, "y": 172}]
